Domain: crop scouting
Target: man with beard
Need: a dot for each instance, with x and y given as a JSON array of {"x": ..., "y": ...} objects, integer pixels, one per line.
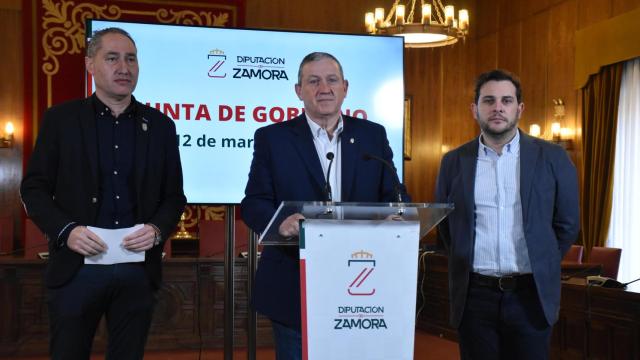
[{"x": 516, "y": 215}]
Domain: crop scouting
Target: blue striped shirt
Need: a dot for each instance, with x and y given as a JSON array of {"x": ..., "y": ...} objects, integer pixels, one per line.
[{"x": 500, "y": 247}]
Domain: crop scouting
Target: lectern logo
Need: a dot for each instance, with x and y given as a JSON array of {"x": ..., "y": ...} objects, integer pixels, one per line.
[
  {"x": 365, "y": 262},
  {"x": 219, "y": 58}
]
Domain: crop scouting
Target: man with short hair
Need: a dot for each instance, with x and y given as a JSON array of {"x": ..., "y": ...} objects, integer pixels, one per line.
[
  {"x": 109, "y": 162},
  {"x": 290, "y": 164},
  {"x": 516, "y": 215}
]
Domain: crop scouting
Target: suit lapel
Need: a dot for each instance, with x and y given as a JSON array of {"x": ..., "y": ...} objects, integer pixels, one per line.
[
  {"x": 348, "y": 158},
  {"x": 87, "y": 119},
  {"x": 143, "y": 130},
  {"x": 528, "y": 163},
  {"x": 303, "y": 142},
  {"x": 468, "y": 164}
]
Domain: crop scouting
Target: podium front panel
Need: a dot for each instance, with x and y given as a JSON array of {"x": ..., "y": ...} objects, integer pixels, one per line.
[{"x": 358, "y": 288}]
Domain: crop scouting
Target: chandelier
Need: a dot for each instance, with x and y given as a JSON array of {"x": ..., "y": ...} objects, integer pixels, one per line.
[{"x": 437, "y": 27}]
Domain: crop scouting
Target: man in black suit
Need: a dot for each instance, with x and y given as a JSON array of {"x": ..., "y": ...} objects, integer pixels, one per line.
[
  {"x": 290, "y": 164},
  {"x": 110, "y": 162},
  {"x": 516, "y": 215}
]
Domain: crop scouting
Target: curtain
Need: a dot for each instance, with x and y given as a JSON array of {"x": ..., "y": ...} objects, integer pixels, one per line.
[
  {"x": 599, "y": 116},
  {"x": 625, "y": 227}
]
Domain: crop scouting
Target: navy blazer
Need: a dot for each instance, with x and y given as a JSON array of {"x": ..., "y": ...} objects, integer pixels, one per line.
[
  {"x": 550, "y": 212},
  {"x": 286, "y": 167},
  {"x": 61, "y": 184}
]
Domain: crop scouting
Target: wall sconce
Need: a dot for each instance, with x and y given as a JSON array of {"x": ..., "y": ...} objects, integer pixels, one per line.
[
  {"x": 7, "y": 140},
  {"x": 559, "y": 135}
]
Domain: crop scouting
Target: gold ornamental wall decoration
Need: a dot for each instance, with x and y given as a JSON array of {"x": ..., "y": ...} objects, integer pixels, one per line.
[{"x": 63, "y": 25}]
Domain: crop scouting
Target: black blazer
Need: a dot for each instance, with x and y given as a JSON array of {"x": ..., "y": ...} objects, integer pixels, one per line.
[
  {"x": 61, "y": 184},
  {"x": 286, "y": 167},
  {"x": 550, "y": 214}
]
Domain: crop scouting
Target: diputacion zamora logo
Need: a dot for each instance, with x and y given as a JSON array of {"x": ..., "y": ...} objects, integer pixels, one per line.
[
  {"x": 361, "y": 316},
  {"x": 218, "y": 58}
]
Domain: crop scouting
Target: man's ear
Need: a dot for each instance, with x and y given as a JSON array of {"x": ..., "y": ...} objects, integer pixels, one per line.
[
  {"x": 474, "y": 110},
  {"x": 298, "y": 89},
  {"x": 520, "y": 109},
  {"x": 88, "y": 64},
  {"x": 346, "y": 87}
]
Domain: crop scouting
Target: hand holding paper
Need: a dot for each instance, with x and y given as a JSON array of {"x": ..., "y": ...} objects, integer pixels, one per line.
[{"x": 116, "y": 252}]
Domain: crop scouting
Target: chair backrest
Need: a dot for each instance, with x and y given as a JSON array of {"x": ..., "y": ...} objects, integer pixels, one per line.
[
  {"x": 574, "y": 255},
  {"x": 609, "y": 258}
]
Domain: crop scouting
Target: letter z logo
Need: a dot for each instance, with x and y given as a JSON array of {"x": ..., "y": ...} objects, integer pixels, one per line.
[
  {"x": 356, "y": 288},
  {"x": 219, "y": 61}
]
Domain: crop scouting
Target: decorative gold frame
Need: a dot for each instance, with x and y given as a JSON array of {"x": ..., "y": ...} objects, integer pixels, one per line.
[{"x": 407, "y": 128}]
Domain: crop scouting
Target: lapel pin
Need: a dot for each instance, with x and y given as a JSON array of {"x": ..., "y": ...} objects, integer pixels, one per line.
[
  {"x": 352, "y": 140},
  {"x": 144, "y": 126}
]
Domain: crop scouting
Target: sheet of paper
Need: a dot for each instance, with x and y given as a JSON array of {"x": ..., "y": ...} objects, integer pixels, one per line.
[{"x": 115, "y": 253}]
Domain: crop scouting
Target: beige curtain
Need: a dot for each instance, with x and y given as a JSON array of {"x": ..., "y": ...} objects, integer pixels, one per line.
[{"x": 599, "y": 119}]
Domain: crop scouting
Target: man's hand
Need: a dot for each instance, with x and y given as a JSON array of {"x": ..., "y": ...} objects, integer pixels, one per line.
[
  {"x": 140, "y": 240},
  {"x": 291, "y": 226},
  {"x": 85, "y": 242}
]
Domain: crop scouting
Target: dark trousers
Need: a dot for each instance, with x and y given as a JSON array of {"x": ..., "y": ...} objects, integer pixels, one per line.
[
  {"x": 503, "y": 325},
  {"x": 288, "y": 342},
  {"x": 120, "y": 292}
]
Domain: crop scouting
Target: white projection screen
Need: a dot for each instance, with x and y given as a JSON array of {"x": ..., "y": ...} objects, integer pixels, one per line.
[{"x": 219, "y": 85}]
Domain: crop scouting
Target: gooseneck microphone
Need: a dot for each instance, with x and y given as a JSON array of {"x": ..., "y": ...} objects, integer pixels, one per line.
[
  {"x": 330, "y": 157},
  {"x": 392, "y": 170}
]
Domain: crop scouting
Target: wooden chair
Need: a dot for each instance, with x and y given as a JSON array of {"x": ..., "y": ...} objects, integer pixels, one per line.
[
  {"x": 574, "y": 255},
  {"x": 609, "y": 258}
]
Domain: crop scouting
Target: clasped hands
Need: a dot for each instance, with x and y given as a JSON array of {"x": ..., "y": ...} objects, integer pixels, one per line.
[{"x": 87, "y": 243}]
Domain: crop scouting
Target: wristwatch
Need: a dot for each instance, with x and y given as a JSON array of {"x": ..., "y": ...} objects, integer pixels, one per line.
[{"x": 157, "y": 236}]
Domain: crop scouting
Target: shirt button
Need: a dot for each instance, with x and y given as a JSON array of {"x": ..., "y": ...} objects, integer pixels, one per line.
[
  {"x": 115, "y": 172},
  {"x": 115, "y": 146},
  {"x": 117, "y": 122},
  {"x": 117, "y": 222},
  {"x": 94, "y": 200},
  {"x": 117, "y": 196},
  {"x": 102, "y": 113}
]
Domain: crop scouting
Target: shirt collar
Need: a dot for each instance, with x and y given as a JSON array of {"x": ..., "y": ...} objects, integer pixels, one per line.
[
  {"x": 316, "y": 130},
  {"x": 512, "y": 146},
  {"x": 101, "y": 109}
]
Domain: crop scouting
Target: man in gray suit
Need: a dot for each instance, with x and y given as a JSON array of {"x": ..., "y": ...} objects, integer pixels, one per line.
[{"x": 516, "y": 215}]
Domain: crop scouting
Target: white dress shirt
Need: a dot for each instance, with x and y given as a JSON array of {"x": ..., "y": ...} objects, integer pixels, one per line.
[
  {"x": 500, "y": 247},
  {"x": 324, "y": 145}
]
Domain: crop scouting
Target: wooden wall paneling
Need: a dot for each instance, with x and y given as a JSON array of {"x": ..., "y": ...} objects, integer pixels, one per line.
[
  {"x": 11, "y": 99},
  {"x": 510, "y": 48},
  {"x": 622, "y": 6},
  {"x": 423, "y": 82},
  {"x": 593, "y": 11},
  {"x": 486, "y": 53},
  {"x": 561, "y": 57},
  {"x": 507, "y": 12},
  {"x": 530, "y": 8},
  {"x": 486, "y": 19},
  {"x": 534, "y": 70}
]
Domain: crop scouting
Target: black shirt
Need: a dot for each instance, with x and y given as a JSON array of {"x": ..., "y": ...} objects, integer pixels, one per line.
[{"x": 116, "y": 155}]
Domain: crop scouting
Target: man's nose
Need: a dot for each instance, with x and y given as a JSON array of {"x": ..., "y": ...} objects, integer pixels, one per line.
[
  {"x": 324, "y": 87},
  {"x": 122, "y": 67}
]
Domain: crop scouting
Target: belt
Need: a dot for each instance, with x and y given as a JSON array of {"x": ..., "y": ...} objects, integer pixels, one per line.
[{"x": 502, "y": 283}]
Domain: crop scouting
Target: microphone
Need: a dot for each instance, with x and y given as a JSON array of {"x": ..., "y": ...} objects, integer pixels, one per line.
[
  {"x": 330, "y": 157},
  {"x": 392, "y": 170}
]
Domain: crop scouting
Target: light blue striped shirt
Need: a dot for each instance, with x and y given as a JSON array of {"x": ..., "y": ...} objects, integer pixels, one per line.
[{"x": 500, "y": 246}]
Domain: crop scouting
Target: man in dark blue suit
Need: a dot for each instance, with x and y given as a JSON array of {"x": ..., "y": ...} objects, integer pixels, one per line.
[
  {"x": 516, "y": 215},
  {"x": 290, "y": 164}
]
